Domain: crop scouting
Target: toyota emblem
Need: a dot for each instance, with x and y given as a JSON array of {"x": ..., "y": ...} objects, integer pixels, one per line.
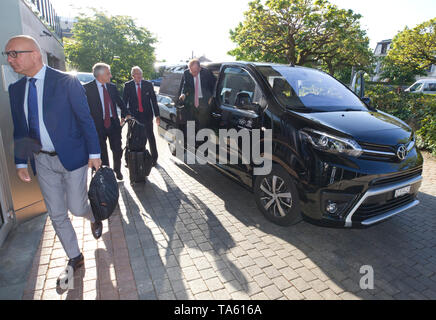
[{"x": 402, "y": 152}]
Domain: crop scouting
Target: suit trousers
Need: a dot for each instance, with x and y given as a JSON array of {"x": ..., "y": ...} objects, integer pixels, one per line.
[
  {"x": 148, "y": 127},
  {"x": 201, "y": 114},
  {"x": 114, "y": 135},
  {"x": 63, "y": 191}
]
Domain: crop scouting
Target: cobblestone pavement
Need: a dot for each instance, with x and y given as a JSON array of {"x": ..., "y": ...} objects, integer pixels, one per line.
[{"x": 191, "y": 233}]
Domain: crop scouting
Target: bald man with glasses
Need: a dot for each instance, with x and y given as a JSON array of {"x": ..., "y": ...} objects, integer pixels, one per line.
[{"x": 53, "y": 129}]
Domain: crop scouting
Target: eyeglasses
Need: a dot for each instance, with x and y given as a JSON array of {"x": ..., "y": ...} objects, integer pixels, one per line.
[{"x": 14, "y": 53}]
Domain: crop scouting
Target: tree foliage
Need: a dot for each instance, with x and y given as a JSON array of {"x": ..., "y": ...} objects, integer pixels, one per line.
[
  {"x": 302, "y": 32},
  {"x": 414, "y": 50},
  {"x": 115, "y": 40}
]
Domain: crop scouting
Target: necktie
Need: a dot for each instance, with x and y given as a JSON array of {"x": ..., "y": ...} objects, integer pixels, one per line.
[
  {"x": 196, "y": 101},
  {"x": 32, "y": 107},
  {"x": 141, "y": 109},
  {"x": 107, "y": 102}
]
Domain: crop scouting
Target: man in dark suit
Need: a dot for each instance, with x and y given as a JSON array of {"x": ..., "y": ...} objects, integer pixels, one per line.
[
  {"x": 141, "y": 100},
  {"x": 54, "y": 129},
  {"x": 103, "y": 99},
  {"x": 198, "y": 85}
]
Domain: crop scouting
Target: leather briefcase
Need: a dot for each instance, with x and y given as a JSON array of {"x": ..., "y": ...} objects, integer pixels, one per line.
[{"x": 103, "y": 193}]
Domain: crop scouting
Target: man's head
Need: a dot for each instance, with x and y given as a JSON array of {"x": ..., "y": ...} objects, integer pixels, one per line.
[
  {"x": 194, "y": 67},
  {"x": 24, "y": 55},
  {"x": 137, "y": 74},
  {"x": 102, "y": 72}
]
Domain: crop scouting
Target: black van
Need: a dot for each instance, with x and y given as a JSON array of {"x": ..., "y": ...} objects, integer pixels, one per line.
[{"x": 336, "y": 160}]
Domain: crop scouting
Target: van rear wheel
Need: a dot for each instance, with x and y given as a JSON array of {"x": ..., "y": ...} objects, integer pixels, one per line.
[{"x": 277, "y": 197}]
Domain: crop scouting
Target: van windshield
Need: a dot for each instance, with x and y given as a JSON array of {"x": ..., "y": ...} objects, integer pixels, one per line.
[{"x": 309, "y": 90}]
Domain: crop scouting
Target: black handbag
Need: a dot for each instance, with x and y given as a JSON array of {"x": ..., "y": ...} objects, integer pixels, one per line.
[
  {"x": 103, "y": 193},
  {"x": 181, "y": 114}
]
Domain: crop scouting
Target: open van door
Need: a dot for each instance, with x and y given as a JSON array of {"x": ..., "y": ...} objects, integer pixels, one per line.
[{"x": 358, "y": 86}]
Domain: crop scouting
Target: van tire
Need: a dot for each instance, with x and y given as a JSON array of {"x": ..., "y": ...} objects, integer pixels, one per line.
[{"x": 282, "y": 210}]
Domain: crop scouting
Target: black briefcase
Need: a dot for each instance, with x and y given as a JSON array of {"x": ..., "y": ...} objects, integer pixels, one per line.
[
  {"x": 181, "y": 114},
  {"x": 103, "y": 193}
]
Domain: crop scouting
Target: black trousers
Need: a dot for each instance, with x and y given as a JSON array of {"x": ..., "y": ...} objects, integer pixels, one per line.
[
  {"x": 200, "y": 115},
  {"x": 148, "y": 127},
  {"x": 114, "y": 135}
]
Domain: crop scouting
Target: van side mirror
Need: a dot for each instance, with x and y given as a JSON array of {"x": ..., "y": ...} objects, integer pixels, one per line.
[
  {"x": 366, "y": 100},
  {"x": 251, "y": 107}
]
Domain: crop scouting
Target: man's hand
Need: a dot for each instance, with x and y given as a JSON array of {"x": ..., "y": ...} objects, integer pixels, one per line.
[
  {"x": 158, "y": 121},
  {"x": 182, "y": 97},
  {"x": 122, "y": 121},
  {"x": 23, "y": 174},
  {"x": 94, "y": 163}
]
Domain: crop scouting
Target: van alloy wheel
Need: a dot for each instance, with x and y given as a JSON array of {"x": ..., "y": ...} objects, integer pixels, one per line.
[{"x": 277, "y": 197}]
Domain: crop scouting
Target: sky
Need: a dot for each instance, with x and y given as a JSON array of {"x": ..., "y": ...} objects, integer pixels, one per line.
[{"x": 201, "y": 27}]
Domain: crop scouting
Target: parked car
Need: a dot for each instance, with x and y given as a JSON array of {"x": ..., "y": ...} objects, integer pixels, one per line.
[
  {"x": 336, "y": 160},
  {"x": 84, "y": 77},
  {"x": 426, "y": 86},
  {"x": 167, "y": 107}
]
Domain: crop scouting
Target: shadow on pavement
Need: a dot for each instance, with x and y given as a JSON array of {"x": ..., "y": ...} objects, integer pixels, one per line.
[{"x": 401, "y": 250}]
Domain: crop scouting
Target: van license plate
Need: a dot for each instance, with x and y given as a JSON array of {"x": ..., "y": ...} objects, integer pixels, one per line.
[{"x": 402, "y": 191}]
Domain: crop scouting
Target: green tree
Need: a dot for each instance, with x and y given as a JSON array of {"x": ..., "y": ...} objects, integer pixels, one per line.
[
  {"x": 302, "y": 32},
  {"x": 398, "y": 73},
  {"x": 414, "y": 50},
  {"x": 115, "y": 40}
]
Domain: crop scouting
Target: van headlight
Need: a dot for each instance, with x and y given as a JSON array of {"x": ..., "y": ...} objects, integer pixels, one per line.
[{"x": 329, "y": 143}]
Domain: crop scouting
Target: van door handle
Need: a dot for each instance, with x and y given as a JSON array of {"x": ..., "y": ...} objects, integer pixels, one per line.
[{"x": 216, "y": 115}]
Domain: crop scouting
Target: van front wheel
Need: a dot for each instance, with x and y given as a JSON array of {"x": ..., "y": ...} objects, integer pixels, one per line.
[{"x": 277, "y": 197}]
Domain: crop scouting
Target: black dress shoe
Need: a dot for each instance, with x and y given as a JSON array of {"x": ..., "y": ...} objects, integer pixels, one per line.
[
  {"x": 72, "y": 266},
  {"x": 97, "y": 229},
  {"x": 119, "y": 175}
]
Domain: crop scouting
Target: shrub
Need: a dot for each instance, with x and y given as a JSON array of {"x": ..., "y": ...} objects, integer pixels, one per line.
[{"x": 417, "y": 110}]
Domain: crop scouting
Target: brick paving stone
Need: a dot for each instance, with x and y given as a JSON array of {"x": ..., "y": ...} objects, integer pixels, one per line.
[
  {"x": 263, "y": 280},
  {"x": 312, "y": 295},
  {"x": 214, "y": 284},
  {"x": 197, "y": 286},
  {"x": 300, "y": 284},
  {"x": 282, "y": 283}
]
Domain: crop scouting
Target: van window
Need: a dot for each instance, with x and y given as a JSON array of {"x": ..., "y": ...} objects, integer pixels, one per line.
[
  {"x": 430, "y": 86},
  {"x": 296, "y": 87},
  {"x": 237, "y": 88},
  {"x": 416, "y": 87}
]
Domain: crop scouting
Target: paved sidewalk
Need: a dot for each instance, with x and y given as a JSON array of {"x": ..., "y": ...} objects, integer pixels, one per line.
[{"x": 191, "y": 233}]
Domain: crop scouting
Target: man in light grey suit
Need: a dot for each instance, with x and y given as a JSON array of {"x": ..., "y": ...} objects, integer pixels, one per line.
[{"x": 53, "y": 129}]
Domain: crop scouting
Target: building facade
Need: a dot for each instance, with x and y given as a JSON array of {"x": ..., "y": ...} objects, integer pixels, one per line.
[{"x": 381, "y": 51}]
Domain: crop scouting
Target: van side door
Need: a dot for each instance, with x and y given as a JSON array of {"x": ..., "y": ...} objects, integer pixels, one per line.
[{"x": 238, "y": 100}]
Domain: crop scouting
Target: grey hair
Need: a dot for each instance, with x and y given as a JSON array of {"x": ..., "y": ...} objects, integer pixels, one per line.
[
  {"x": 136, "y": 68},
  {"x": 99, "y": 68},
  {"x": 194, "y": 61}
]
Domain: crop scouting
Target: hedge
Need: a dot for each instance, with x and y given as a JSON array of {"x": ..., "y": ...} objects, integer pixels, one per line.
[{"x": 417, "y": 110}]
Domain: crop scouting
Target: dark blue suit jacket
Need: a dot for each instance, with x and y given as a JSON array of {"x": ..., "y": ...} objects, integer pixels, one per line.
[
  {"x": 66, "y": 116},
  {"x": 148, "y": 98}
]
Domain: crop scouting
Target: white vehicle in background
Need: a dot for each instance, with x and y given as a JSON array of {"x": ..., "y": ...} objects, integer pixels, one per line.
[
  {"x": 426, "y": 86},
  {"x": 84, "y": 77},
  {"x": 167, "y": 108}
]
